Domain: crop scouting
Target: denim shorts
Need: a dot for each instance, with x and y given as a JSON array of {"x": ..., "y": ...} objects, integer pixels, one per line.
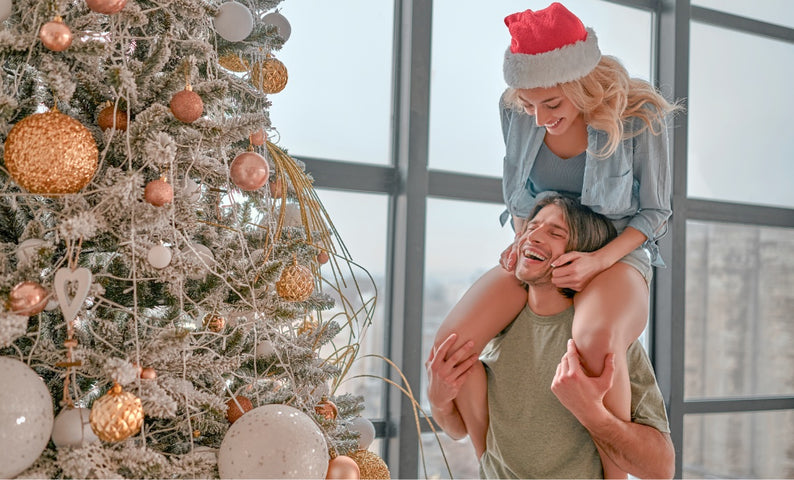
[{"x": 640, "y": 259}]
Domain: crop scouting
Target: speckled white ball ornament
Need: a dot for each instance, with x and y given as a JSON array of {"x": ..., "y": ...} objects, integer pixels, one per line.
[
  {"x": 280, "y": 22},
  {"x": 159, "y": 256},
  {"x": 5, "y": 9},
  {"x": 366, "y": 432},
  {"x": 234, "y": 21},
  {"x": 73, "y": 429},
  {"x": 25, "y": 417},
  {"x": 273, "y": 441}
]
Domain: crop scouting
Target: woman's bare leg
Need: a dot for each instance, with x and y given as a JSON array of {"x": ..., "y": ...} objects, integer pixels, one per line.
[{"x": 609, "y": 314}]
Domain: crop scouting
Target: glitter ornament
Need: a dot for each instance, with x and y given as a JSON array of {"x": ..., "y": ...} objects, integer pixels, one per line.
[
  {"x": 158, "y": 192},
  {"x": 72, "y": 428},
  {"x": 343, "y": 467},
  {"x": 327, "y": 409},
  {"x": 56, "y": 35},
  {"x": 258, "y": 138},
  {"x": 215, "y": 323},
  {"x": 249, "y": 171},
  {"x": 186, "y": 105},
  {"x": 365, "y": 430},
  {"x": 107, "y": 7},
  {"x": 112, "y": 117},
  {"x": 370, "y": 465},
  {"x": 50, "y": 153},
  {"x": 269, "y": 75},
  {"x": 27, "y": 298},
  {"x": 237, "y": 407},
  {"x": 283, "y": 28},
  {"x": 233, "y": 63},
  {"x": 116, "y": 415},
  {"x": 234, "y": 21},
  {"x": 273, "y": 441},
  {"x": 296, "y": 283},
  {"x": 6, "y": 6},
  {"x": 26, "y": 417},
  {"x": 159, "y": 256}
]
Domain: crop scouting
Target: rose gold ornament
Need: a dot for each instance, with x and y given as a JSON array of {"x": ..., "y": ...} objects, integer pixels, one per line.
[
  {"x": 158, "y": 192},
  {"x": 327, "y": 409},
  {"x": 249, "y": 171},
  {"x": 323, "y": 257},
  {"x": 27, "y": 298},
  {"x": 107, "y": 7},
  {"x": 186, "y": 105},
  {"x": 56, "y": 35},
  {"x": 215, "y": 323},
  {"x": 269, "y": 75},
  {"x": 51, "y": 153},
  {"x": 111, "y": 117},
  {"x": 148, "y": 373},
  {"x": 234, "y": 411},
  {"x": 258, "y": 138},
  {"x": 296, "y": 283},
  {"x": 343, "y": 467},
  {"x": 116, "y": 415}
]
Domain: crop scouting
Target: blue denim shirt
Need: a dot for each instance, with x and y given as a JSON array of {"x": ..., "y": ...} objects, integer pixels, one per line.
[{"x": 632, "y": 187}]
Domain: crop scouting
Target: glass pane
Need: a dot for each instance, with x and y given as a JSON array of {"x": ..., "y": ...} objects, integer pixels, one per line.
[
  {"x": 740, "y": 142},
  {"x": 739, "y": 445},
  {"x": 348, "y": 213},
  {"x": 469, "y": 40},
  {"x": 739, "y": 299},
  {"x": 459, "y": 455},
  {"x": 337, "y": 103},
  {"x": 780, "y": 12}
]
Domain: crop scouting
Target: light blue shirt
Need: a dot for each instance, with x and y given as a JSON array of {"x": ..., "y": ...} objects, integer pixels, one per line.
[{"x": 632, "y": 187}]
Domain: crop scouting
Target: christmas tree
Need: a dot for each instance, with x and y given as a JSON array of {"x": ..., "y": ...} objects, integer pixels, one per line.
[{"x": 177, "y": 302}]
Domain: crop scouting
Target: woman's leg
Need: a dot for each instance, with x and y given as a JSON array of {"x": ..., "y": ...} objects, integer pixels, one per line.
[
  {"x": 485, "y": 309},
  {"x": 472, "y": 404},
  {"x": 609, "y": 314}
]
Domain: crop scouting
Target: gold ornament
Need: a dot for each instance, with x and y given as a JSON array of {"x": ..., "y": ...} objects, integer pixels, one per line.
[
  {"x": 27, "y": 298},
  {"x": 269, "y": 75},
  {"x": 327, "y": 409},
  {"x": 215, "y": 323},
  {"x": 343, "y": 467},
  {"x": 51, "y": 153},
  {"x": 158, "y": 192},
  {"x": 370, "y": 465},
  {"x": 116, "y": 415},
  {"x": 107, "y": 7},
  {"x": 110, "y": 117},
  {"x": 296, "y": 283},
  {"x": 187, "y": 105},
  {"x": 55, "y": 35},
  {"x": 234, "y": 412},
  {"x": 233, "y": 63}
]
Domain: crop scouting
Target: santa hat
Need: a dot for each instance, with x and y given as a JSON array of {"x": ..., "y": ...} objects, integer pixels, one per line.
[{"x": 548, "y": 47}]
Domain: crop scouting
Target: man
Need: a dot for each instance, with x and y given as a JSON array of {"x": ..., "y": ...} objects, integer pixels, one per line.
[{"x": 530, "y": 415}]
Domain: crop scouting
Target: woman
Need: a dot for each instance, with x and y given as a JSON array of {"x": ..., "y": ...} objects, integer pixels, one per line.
[{"x": 573, "y": 121}]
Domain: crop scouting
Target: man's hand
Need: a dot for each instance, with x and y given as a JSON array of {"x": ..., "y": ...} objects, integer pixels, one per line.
[
  {"x": 447, "y": 371},
  {"x": 581, "y": 394}
]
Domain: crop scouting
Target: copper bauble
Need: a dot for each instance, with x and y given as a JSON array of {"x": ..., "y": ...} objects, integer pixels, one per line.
[
  {"x": 327, "y": 409},
  {"x": 107, "y": 7},
  {"x": 116, "y": 415},
  {"x": 158, "y": 192},
  {"x": 148, "y": 373},
  {"x": 258, "y": 138},
  {"x": 233, "y": 412},
  {"x": 51, "y": 153},
  {"x": 269, "y": 75},
  {"x": 56, "y": 35},
  {"x": 27, "y": 298},
  {"x": 111, "y": 117},
  {"x": 296, "y": 283},
  {"x": 342, "y": 467},
  {"x": 323, "y": 257},
  {"x": 370, "y": 465},
  {"x": 249, "y": 171},
  {"x": 186, "y": 105}
]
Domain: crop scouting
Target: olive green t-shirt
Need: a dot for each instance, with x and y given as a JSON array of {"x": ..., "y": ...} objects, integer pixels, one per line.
[{"x": 531, "y": 434}]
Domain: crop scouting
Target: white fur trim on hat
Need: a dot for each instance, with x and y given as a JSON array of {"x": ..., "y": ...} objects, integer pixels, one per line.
[{"x": 547, "y": 69}]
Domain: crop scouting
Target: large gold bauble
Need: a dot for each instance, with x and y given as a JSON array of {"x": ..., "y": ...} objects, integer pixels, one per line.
[
  {"x": 296, "y": 283},
  {"x": 116, "y": 415},
  {"x": 370, "y": 465},
  {"x": 269, "y": 75},
  {"x": 50, "y": 153}
]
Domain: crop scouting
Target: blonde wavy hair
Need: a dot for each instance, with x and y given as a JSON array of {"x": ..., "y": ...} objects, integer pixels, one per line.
[{"x": 608, "y": 97}]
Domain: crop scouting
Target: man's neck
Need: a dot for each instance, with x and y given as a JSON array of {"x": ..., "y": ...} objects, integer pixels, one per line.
[{"x": 546, "y": 299}]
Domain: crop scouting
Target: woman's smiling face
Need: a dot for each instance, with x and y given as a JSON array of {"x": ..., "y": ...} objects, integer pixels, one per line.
[{"x": 551, "y": 109}]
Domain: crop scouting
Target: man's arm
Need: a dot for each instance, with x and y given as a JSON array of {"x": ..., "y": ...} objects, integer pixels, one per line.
[
  {"x": 446, "y": 373},
  {"x": 638, "y": 449}
]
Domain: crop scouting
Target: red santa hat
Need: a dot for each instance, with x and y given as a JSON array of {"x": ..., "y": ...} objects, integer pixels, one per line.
[{"x": 548, "y": 47}]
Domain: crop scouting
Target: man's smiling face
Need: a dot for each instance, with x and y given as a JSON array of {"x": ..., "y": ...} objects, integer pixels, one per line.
[{"x": 544, "y": 239}]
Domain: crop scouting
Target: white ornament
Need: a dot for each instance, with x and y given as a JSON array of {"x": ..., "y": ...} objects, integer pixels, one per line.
[
  {"x": 73, "y": 429},
  {"x": 25, "y": 417},
  {"x": 29, "y": 249},
  {"x": 200, "y": 255},
  {"x": 292, "y": 215},
  {"x": 234, "y": 21},
  {"x": 70, "y": 305},
  {"x": 159, "y": 256},
  {"x": 366, "y": 432},
  {"x": 191, "y": 189},
  {"x": 280, "y": 22},
  {"x": 273, "y": 441},
  {"x": 264, "y": 349},
  {"x": 5, "y": 9}
]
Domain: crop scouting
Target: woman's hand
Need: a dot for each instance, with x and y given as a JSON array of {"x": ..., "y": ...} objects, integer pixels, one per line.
[
  {"x": 574, "y": 270},
  {"x": 509, "y": 257}
]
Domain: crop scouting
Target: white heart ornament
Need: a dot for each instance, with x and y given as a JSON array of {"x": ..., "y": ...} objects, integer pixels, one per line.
[{"x": 71, "y": 305}]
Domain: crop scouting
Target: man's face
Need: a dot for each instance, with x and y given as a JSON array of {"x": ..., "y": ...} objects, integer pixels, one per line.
[{"x": 544, "y": 239}]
